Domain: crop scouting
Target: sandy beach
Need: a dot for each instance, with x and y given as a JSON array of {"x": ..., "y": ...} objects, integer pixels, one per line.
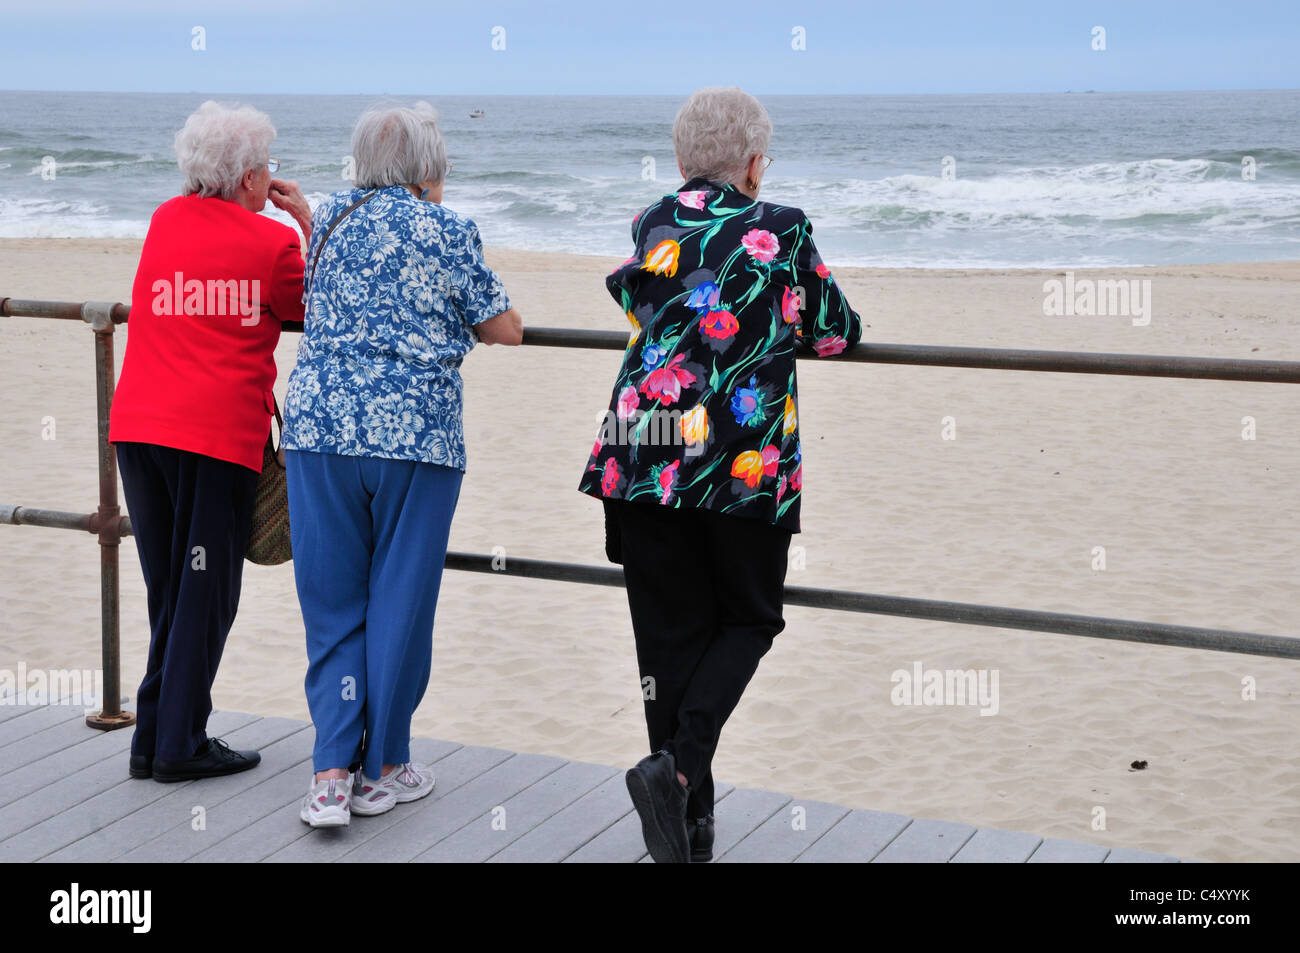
[{"x": 1198, "y": 527}]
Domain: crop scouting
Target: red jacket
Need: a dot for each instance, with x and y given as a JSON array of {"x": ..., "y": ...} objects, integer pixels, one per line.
[{"x": 214, "y": 282}]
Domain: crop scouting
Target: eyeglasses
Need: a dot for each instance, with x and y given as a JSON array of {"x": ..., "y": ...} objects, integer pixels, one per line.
[
  {"x": 767, "y": 161},
  {"x": 273, "y": 165},
  {"x": 450, "y": 166}
]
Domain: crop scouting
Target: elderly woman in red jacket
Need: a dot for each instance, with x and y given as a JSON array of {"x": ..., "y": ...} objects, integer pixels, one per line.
[{"x": 191, "y": 416}]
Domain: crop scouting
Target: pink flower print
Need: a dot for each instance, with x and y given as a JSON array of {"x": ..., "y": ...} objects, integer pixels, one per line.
[
  {"x": 761, "y": 244},
  {"x": 609, "y": 478},
  {"x": 627, "y": 402},
  {"x": 665, "y": 383},
  {"x": 827, "y": 346}
]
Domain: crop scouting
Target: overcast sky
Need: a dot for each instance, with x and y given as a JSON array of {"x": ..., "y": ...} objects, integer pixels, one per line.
[{"x": 648, "y": 46}]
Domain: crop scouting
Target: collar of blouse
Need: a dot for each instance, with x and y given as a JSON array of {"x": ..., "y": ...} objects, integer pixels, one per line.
[{"x": 733, "y": 194}]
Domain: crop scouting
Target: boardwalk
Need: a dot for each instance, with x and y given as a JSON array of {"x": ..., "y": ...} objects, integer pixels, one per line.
[{"x": 67, "y": 798}]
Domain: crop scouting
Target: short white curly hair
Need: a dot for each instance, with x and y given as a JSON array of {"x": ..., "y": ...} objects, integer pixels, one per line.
[
  {"x": 718, "y": 130},
  {"x": 218, "y": 144},
  {"x": 398, "y": 145}
]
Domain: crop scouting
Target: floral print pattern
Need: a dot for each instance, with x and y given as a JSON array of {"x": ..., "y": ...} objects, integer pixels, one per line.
[
  {"x": 389, "y": 311},
  {"x": 719, "y": 291}
]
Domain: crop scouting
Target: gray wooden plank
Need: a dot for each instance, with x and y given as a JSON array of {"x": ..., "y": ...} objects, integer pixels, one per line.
[
  {"x": 926, "y": 841},
  {"x": 560, "y": 835},
  {"x": 1128, "y": 855},
  {"x": 991, "y": 845},
  {"x": 97, "y": 776},
  {"x": 270, "y": 736},
  {"x": 622, "y": 841},
  {"x": 856, "y": 839},
  {"x": 37, "y": 719},
  {"x": 280, "y": 792},
  {"x": 783, "y": 836},
  {"x": 1054, "y": 850},
  {"x": 297, "y": 843},
  {"x": 81, "y": 804},
  {"x": 428, "y": 821},
  {"x": 52, "y": 740},
  {"x": 72, "y": 802},
  {"x": 747, "y": 809},
  {"x": 493, "y": 831},
  {"x": 95, "y": 746},
  {"x": 10, "y": 710}
]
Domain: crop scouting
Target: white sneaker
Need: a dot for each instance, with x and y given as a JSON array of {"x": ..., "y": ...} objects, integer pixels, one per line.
[
  {"x": 328, "y": 803},
  {"x": 407, "y": 782}
]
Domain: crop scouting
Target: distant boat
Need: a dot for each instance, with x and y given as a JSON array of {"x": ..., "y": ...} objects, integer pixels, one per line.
[{"x": 477, "y": 114}]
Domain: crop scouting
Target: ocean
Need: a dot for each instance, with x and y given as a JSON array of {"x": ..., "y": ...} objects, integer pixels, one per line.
[{"x": 977, "y": 181}]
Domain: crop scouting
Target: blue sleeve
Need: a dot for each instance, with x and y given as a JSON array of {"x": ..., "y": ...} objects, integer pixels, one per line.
[{"x": 481, "y": 295}]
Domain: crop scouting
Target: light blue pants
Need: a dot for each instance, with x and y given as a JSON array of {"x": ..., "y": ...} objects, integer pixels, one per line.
[{"x": 369, "y": 540}]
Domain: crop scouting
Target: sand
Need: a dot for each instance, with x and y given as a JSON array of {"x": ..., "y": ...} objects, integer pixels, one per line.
[{"x": 1199, "y": 527}]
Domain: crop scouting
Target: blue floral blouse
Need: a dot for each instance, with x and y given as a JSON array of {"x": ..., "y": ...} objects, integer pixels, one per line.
[{"x": 397, "y": 288}]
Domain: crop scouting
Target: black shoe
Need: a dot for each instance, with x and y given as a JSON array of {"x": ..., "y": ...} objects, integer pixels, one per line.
[
  {"x": 701, "y": 834},
  {"x": 214, "y": 759},
  {"x": 660, "y": 799},
  {"x": 141, "y": 766}
]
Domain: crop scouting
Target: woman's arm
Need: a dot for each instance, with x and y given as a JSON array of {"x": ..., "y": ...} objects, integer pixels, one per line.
[
  {"x": 827, "y": 321},
  {"x": 506, "y": 328},
  {"x": 482, "y": 294}
]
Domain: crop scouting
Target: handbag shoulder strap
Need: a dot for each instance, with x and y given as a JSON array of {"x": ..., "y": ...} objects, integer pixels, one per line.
[{"x": 321, "y": 247}]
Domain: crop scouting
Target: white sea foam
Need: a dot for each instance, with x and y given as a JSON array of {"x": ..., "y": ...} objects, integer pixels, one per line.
[{"x": 1040, "y": 181}]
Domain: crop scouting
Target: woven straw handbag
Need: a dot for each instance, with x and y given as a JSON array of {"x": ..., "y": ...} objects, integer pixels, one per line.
[{"x": 268, "y": 543}]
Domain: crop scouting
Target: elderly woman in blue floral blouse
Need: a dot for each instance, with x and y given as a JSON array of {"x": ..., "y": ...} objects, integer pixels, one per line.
[
  {"x": 699, "y": 461},
  {"x": 397, "y": 294}
]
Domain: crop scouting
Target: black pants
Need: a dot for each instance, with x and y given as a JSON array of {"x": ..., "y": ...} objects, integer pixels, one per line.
[
  {"x": 191, "y": 516},
  {"x": 706, "y": 592}
]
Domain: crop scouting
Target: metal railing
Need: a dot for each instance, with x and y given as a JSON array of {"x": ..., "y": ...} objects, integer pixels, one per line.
[{"x": 110, "y": 525}]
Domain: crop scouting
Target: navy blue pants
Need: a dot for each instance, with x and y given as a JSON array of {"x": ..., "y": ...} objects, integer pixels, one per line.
[
  {"x": 191, "y": 516},
  {"x": 369, "y": 541},
  {"x": 706, "y": 592}
]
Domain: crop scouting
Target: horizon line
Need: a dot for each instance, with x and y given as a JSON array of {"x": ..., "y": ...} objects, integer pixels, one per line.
[{"x": 535, "y": 95}]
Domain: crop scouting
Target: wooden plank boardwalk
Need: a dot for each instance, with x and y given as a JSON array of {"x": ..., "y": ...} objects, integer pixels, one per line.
[{"x": 67, "y": 797}]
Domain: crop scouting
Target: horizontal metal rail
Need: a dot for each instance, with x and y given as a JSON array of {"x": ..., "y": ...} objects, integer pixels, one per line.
[
  {"x": 110, "y": 525},
  {"x": 1002, "y": 617},
  {"x": 989, "y": 358}
]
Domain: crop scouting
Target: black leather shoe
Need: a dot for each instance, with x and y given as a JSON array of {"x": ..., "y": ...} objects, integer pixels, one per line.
[
  {"x": 142, "y": 766},
  {"x": 701, "y": 833},
  {"x": 660, "y": 800},
  {"x": 215, "y": 759}
]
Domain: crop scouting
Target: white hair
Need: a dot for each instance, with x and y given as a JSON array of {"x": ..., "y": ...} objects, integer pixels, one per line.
[
  {"x": 718, "y": 130},
  {"x": 218, "y": 144},
  {"x": 398, "y": 145}
]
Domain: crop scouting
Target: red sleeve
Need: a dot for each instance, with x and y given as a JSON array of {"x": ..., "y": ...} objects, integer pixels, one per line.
[{"x": 286, "y": 282}]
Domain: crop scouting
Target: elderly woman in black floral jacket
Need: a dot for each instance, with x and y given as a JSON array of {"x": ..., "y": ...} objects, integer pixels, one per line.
[{"x": 698, "y": 458}]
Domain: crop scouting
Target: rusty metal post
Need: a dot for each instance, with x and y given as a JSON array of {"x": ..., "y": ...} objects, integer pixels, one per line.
[{"x": 106, "y": 522}]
